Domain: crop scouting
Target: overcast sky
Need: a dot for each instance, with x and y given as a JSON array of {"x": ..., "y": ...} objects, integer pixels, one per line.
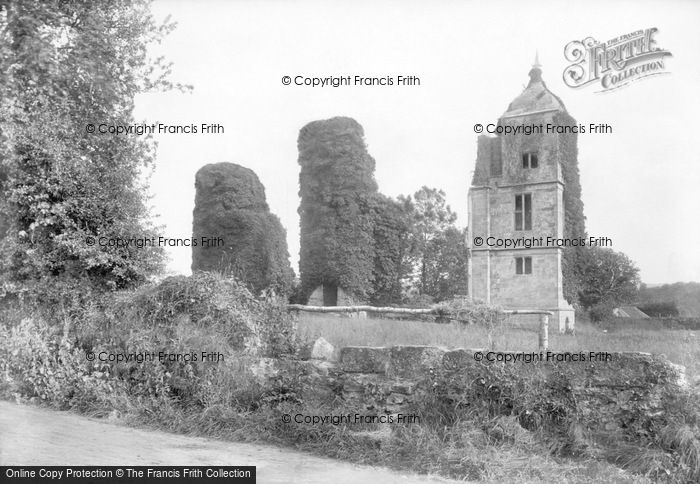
[{"x": 641, "y": 184}]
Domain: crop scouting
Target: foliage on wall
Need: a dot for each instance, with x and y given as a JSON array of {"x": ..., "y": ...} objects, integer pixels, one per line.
[
  {"x": 372, "y": 246},
  {"x": 337, "y": 189},
  {"x": 247, "y": 241},
  {"x": 574, "y": 220}
]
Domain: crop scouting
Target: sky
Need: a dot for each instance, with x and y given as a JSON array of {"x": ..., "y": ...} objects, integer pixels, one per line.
[{"x": 640, "y": 184}]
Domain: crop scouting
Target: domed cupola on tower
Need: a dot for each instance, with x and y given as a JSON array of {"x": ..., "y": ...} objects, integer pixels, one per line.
[{"x": 536, "y": 98}]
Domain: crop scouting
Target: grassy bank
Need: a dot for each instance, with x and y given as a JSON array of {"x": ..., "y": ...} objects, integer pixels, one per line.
[{"x": 45, "y": 362}]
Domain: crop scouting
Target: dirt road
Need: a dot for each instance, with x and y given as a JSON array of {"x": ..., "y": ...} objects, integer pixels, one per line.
[{"x": 33, "y": 436}]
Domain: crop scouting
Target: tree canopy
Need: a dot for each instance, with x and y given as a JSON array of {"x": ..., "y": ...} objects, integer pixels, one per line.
[
  {"x": 66, "y": 67},
  {"x": 608, "y": 279},
  {"x": 433, "y": 235}
]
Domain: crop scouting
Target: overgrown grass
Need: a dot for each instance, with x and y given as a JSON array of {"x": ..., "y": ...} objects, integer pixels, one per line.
[
  {"x": 489, "y": 451},
  {"x": 679, "y": 346},
  {"x": 47, "y": 363}
]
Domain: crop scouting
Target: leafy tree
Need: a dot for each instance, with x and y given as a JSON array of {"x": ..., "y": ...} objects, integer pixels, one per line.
[
  {"x": 446, "y": 260},
  {"x": 608, "y": 278},
  {"x": 392, "y": 234},
  {"x": 65, "y": 66},
  {"x": 430, "y": 217}
]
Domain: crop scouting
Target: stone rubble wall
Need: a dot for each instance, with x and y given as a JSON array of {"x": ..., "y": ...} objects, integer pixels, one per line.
[{"x": 605, "y": 396}]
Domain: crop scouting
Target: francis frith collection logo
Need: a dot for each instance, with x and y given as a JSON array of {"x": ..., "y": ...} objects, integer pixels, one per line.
[{"x": 615, "y": 63}]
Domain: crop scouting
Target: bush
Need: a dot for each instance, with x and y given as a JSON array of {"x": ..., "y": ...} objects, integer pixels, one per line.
[
  {"x": 213, "y": 303},
  {"x": 53, "y": 299},
  {"x": 471, "y": 312},
  {"x": 601, "y": 311},
  {"x": 207, "y": 300},
  {"x": 190, "y": 316},
  {"x": 38, "y": 362}
]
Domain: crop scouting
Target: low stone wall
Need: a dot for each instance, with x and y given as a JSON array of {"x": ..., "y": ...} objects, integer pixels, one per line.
[
  {"x": 603, "y": 393},
  {"x": 386, "y": 378}
]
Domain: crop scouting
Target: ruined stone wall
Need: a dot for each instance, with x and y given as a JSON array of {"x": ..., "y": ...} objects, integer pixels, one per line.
[
  {"x": 398, "y": 374},
  {"x": 247, "y": 240},
  {"x": 603, "y": 397},
  {"x": 544, "y": 144}
]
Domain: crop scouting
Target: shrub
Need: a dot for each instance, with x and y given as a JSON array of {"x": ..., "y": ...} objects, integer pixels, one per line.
[
  {"x": 38, "y": 362},
  {"x": 215, "y": 304},
  {"x": 204, "y": 313},
  {"x": 207, "y": 300},
  {"x": 467, "y": 311},
  {"x": 601, "y": 311}
]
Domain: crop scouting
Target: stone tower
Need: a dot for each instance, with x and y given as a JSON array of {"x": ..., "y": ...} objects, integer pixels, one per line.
[{"x": 518, "y": 193}]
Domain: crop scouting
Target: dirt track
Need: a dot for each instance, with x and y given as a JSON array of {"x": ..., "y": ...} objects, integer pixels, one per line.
[{"x": 33, "y": 436}]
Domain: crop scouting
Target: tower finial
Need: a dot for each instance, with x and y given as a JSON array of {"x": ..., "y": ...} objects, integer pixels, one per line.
[{"x": 536, "y": 71}]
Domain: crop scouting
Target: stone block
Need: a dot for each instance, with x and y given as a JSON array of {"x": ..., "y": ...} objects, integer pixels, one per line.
[
  {"x": 406, "y": 387},
  {"x": 414, "y": 361},
  {"x": 322, "y": 350},
  {"x": 366, "y": 390},
  {"x": 364, "y": 359}
]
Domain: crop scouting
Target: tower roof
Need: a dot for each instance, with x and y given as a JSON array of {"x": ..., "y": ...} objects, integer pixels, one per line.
[{"x": 536, "y": 98}]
